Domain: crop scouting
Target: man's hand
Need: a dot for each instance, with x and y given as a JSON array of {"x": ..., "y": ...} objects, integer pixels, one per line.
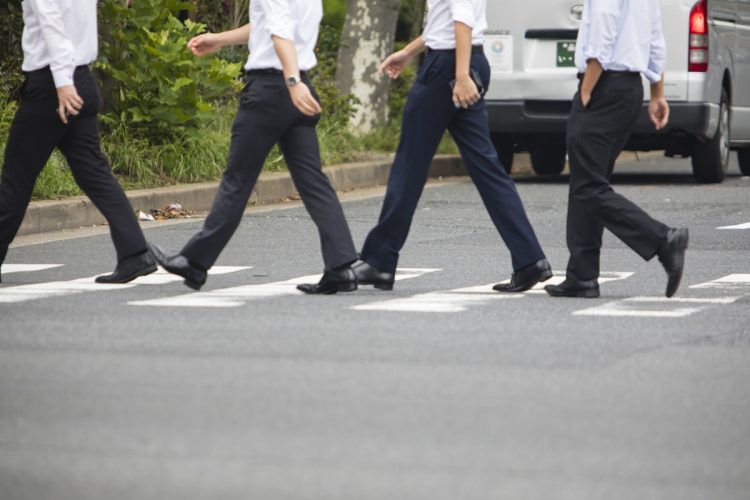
[
  {"x": 395, "y": 64},
  {"x": 585, "y": 98},
  {"x": 303, "y": 99},
  {"x": 658, "y": 112},
  {"x": 69, "y": 102},
  {"x": 204, "y": 44},
  {"x": 465, "y": 92}
]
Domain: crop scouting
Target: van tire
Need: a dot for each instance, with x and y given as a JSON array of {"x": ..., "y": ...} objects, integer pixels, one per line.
[
  {"x": 743, "y": 155},
  {"x": 548, "y": 156},
  {"x": 504, "y": 149},
  {"x": 710, "y": 159}
]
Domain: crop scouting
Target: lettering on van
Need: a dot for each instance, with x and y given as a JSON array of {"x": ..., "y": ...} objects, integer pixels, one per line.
[{"x": 496, "y": 32}]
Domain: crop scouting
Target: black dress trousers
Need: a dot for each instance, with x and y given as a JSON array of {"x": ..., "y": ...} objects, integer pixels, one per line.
[
  {"x": 35, "y": 132},
  {"x": 267, "y": 116},
  {"x": 596, "y": 136}
]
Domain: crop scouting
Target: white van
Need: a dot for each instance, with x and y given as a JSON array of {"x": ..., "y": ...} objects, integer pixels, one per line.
[{"x": 531, "y": 45}]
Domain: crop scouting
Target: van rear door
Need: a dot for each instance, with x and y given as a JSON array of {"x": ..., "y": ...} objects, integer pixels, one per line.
[{"x": 531, "y": 47}]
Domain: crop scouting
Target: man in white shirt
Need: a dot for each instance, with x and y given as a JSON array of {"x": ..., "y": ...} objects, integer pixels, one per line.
[
  {"x": 446, "y": 96},
  {"x": 58, "y": 109},
  {"x": 618, "y": 41},
  {"x": 277, "y": 105}
]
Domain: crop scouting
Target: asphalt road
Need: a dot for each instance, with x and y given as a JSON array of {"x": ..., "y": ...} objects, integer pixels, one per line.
[{"x": 441, "y": 389}]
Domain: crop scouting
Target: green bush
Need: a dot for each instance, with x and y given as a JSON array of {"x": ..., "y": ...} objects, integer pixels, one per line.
[
  {"x": 11, "y": 54},
  {"x": 153, "y": 82}
]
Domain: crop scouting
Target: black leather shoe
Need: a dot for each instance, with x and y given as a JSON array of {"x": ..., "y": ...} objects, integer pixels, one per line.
[
  {"x": 574, "y": 288},
  {"x": 526, "y": 278},
  {"x": 368, "y": 275},
  {"x": 194, "y": 276},
  {"x": 332, "y": 281},
  {"x": 130, "y": 268},
  {"x": 672, "y": 257}
]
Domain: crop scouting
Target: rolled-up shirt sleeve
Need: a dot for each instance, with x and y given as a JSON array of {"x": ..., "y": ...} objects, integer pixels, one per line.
[
  {"x": 657, "y": 60},
  {"x": 602, "y": 32},
  {"x": 464, "y": 11},
  {"x": 59, "y": 46},
  {"x": 279, "y": 16}
]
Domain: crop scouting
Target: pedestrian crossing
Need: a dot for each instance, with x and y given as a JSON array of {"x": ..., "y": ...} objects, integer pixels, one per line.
[
  {"x": 240, "y": 295},
  {"x": 461, "y": 299},
  {"x": 722, "y": 291},
  {"x": 38, "y": 291}
]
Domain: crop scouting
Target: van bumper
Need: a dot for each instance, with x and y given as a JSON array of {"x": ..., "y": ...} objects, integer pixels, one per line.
[{"x": 522, "y": 119}]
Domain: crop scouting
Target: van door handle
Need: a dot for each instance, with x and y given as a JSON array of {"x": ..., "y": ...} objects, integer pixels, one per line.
[
  {"x": 724, "y": 17},
  {"x": 551, "y": 34}
]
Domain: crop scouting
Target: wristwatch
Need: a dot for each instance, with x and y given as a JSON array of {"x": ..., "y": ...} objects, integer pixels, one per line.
[{"x": 292, "y": 81}]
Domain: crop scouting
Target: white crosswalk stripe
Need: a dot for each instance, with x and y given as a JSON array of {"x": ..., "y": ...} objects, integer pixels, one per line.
[
  {"x": 27, "y": 268},
  {"x": 37, "y": 291},
  {"x": 745, "y": 225},
  {"x": 654, "y": 307},
  {"x": 449, "y": 301},
  {"x": 729, "y": 282},
  {"x": 735, "y": 286},
  {"x": 240, "y": 295},
  {"x": 459, "y": 299},
  {"x": 676, "y": 307}
]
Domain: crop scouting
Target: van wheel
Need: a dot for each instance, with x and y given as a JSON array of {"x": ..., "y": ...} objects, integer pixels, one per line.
[
  {"x": 504, "y": 149},
  {"x": 548, "y": 156},
  {"x": 743, "y": 155},
  {"x": 710, "y": 159}
]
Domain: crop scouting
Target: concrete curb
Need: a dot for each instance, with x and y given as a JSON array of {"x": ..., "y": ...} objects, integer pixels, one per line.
[{"x": 56, "y": 215}]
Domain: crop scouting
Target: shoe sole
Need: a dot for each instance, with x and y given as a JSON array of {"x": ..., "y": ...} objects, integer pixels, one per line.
[
  {"x": 193, "y": 284},
  {"x": 344, "y": 287},
  {"x": 581, "y": 294},
  {"x": 542, "y": 278},
  {"x": 380, "y": 285},
  {"x": 143, "y": 272}
]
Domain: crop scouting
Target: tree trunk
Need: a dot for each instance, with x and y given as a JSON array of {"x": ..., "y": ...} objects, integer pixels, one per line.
[{"x": 367, "y": 39}]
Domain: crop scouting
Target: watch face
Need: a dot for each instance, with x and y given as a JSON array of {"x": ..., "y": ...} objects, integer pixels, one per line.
[{"x": 292, "y": 81}]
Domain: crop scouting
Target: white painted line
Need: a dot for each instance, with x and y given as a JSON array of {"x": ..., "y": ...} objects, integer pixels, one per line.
[
  {"x": 37, "y": 291},
  {"x": 619, "y": 309},
  {"x": 634, "y": 306},
  {"x": 448, "y": 301},
  {"x": 559, "y": 277},
  {"x": 745, "y": 225},
  {"x": 459, "y": 299},
  {"x": 26, "y": 268},
  {"x": 162, "y": 277},
  {"x": 240, "y": 295},
  {"x": 685, "y": 300},
  {"x": 729, "y": 282}
]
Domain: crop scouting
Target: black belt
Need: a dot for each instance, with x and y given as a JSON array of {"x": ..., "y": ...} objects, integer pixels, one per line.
[
  {"x": 271, "y": 71},
  {"x": 475, "y": 49},
  {"x": 46, "y": 70},
  {"x": 614, "y": 74}
]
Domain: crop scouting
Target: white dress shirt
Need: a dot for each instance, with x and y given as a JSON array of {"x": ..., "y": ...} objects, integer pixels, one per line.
[
  {"x": 624, "y": 35},
  {"x": 61, "y": 34},
  {"x": 440, "y": 34},
  {"x": 295, "y": 20}
]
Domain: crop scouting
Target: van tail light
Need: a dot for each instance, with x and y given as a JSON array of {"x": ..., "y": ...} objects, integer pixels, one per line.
[{"x": 698, "y": 44}]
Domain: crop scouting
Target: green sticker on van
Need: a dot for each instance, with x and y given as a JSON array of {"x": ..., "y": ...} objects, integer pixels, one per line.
[{"x": 566, "y": 54}]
